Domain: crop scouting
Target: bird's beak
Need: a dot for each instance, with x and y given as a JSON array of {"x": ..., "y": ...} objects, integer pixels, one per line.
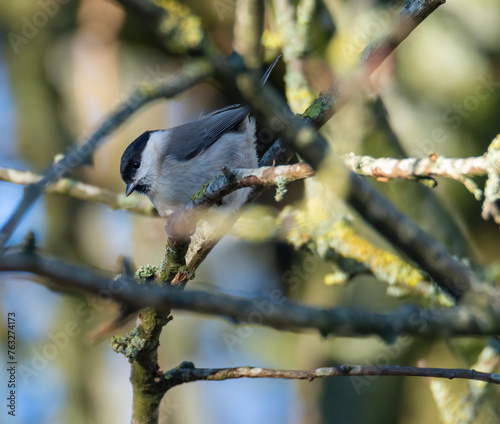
[{"x": 130, "y": 188}]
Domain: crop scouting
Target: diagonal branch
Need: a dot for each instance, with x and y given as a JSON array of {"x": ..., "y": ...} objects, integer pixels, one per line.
[
  {"x": 193, "y": 73},
  {"x": 402, "y": 232},
  {"x": 334, "y": 98}
]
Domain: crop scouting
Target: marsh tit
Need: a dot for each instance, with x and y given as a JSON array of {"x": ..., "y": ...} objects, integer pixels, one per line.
[{"x": 170, "y": 166}]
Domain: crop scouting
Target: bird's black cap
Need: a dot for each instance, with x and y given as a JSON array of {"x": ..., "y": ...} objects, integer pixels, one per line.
[{"x": 132, "y": 154}]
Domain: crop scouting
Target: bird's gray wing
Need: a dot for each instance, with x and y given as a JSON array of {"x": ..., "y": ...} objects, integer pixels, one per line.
[{"x": 190, "y": 140}]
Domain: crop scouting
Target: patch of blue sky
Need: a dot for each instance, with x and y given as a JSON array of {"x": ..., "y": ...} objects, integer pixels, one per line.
[{"x": 35, "y": 306}]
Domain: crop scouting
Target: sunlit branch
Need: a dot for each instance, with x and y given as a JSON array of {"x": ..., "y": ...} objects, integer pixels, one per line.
[
  {"x": 187, "y": 373},
  {"x": 81, "y": 191}
]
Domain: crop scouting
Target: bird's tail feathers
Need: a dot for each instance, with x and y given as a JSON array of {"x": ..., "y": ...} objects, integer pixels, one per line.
[{"x": 269, "y": 70}]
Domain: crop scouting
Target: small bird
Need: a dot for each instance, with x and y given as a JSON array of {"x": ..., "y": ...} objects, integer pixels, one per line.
[{"x": 170, "y": 166}]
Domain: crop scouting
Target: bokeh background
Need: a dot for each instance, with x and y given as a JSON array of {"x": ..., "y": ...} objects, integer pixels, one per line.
[{"x": 65, "y": 64}]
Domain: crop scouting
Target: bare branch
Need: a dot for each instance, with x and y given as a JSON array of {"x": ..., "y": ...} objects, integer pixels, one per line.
[
  {"x": 459, "y": 169},
  {"x": 334, "y": 98},
  {"x": 353, "y": 254},
  {"x": 274, "y": 312},
  {"x": 491, "y": 205},
  {"x": 464, "y": 409},
  {"x": 294, "y": 25},
  {"x": 248, "y": 28},
  {"x": 182, "y": 223},
  {"x": 187, "y": 373},
  {"x": 135, "y": 203},
  {"x": 427, "y": 252},
  {"x": 434, "y": 165},
  {"x": 423, "y": 169}
]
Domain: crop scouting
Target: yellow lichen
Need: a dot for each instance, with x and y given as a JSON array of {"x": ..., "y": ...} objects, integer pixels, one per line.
[
  {"x": 271, "y": 40},
  {"x": 182, "y": 29},
  {"x": 303, "y": 229}
]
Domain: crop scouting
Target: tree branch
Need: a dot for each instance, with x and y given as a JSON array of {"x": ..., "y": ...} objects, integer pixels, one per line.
[
  {"x": 294, "y": 26},
  {"x": 182, "y": 223},
  {"x": 384, "y": 169},
  {"x": 352, "y": 254},
  {"x": 68, "y": 187},
  {"x": 459, "y": 169},
  {"x": 187, "y": 373},
  {"x": 274, "y": 312},
  {"x": 190, "y": 75},
  {"x": 248, "y": 28},
  {"x": 428, "y": 253},
  {"x": 334, "y": 98}
]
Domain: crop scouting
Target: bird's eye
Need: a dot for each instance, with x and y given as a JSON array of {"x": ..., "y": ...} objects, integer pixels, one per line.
[{"x": 136, "y": 164}]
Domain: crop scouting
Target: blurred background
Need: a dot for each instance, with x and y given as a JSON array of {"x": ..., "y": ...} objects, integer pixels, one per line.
[{"x": 64, "y": 65}]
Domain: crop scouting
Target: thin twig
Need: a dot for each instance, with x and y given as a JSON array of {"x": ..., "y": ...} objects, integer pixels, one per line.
[
  {"x": 187, "y": 373},
  {"x": 265, "y": 176},
  {"x": 78, "y": 190}
]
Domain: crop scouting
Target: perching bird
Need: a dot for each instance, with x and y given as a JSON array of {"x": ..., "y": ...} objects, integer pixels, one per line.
[{"x": 170, "y": 166}]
